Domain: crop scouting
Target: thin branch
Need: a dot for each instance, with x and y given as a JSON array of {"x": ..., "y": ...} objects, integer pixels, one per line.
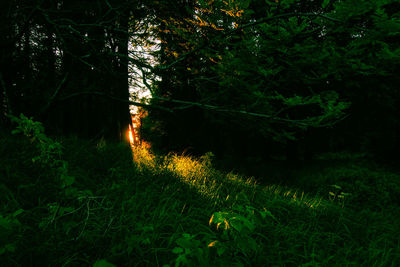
[
  {"x": 144, "y": 80},
  {"x": 134, "y": 103},
  {"x": 251, "y": 24},
  {"x": 135, "y": 61},
  {"x": 189, "y": 104},
  {"x": 44, "y": 109},
  {"x": 26, "y": 23},
  {"x": 263, "y": 20},
  {"x": 3, "y": 84}
]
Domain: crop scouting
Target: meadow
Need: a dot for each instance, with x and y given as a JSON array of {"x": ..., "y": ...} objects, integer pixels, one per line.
[{"x": 74, "y": 202}]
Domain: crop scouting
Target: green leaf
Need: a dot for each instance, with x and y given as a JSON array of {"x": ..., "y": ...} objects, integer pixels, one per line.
[
  {"x": 67, "y": 180},
  {"x": 17, "y": 212},
  {"x": 4, "y": 223},
  {"x": 103, "y": 263},
  {"x": 183, "y": 242},
  {"x": 35, "y": 159},
  {"x": 237, "y": 225},
  {"x": 16, "y": 131},
  {"x": 71, "y": 191},
  {"x": 219, "y": 217},
  {"x": 266, "y": 213},
  {"x": 221, "y": 250},
  {"x": 336, "y": 186},
  {"x": 10, "y": 247},
  {"x": 64, "y": 210},
  {"x": 177, "y": 250},
  {"x": 146, "y": 241},
  {"x": 325, "y": 3},
  {"x": 245, "y": 4}
]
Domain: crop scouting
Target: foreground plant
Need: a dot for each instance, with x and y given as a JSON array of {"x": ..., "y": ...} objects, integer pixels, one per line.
[
  {"x": 235, "y": 239},
  {"x": 50, "y": 151}
]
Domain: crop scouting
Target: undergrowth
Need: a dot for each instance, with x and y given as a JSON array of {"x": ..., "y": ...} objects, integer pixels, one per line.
[{"x": 71, "y": 202}]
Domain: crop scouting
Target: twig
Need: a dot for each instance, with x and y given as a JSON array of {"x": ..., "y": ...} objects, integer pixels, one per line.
[
  {"x": 3, "y": 84},
  {"x": 189, "y": 104},
  {"x": 113, "y": 98},
  {"x": 251, "y": 24},
  {"x": 44, "y": 109}
]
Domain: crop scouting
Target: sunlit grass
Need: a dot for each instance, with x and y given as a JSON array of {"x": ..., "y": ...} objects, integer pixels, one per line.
[
  {"x": 144, "y": 159},
  {"x": 211, "y": 183}
]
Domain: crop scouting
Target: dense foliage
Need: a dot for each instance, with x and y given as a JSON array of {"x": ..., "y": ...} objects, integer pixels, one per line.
[{"x": 262, "y": 71}]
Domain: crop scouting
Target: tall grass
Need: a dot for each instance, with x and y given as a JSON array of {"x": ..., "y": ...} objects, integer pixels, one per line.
[{"x": 134, "y": 208}]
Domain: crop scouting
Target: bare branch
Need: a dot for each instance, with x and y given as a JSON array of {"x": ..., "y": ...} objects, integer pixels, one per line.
[
  {"x": 115, "y": 99},
  {"x": 44, "y": 109},
  {"x": 189, "y": 104},
  {"x": 275, "y": 118},
  {"x": 6, "y": 101},
  {"x": 248, "y": 25}
]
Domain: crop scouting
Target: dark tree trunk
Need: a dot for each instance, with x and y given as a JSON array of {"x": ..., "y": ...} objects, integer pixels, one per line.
[
  {"x": 292, "y": 153},
  {"x": 122, "y": 117}
]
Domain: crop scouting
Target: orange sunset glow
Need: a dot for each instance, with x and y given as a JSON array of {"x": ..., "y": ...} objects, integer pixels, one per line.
[
  {"x": 134, "y": 129},
  {"x": 130, "y": 135}
]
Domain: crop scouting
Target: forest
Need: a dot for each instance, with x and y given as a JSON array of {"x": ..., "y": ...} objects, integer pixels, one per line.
[{"x": 199, "y": 133}]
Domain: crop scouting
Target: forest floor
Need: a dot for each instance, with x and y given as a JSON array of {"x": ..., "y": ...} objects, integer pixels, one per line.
[{"x": 89, "y": 204}]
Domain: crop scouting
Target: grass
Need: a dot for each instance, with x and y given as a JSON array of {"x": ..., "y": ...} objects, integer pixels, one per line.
[{"x": 175, "y": 210}]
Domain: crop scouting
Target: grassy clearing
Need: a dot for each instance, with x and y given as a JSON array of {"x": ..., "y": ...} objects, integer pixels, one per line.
[{"x": 177, "y": 211}]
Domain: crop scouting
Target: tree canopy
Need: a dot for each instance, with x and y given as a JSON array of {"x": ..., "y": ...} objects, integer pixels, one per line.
[{"x": 231, "y": 76}]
